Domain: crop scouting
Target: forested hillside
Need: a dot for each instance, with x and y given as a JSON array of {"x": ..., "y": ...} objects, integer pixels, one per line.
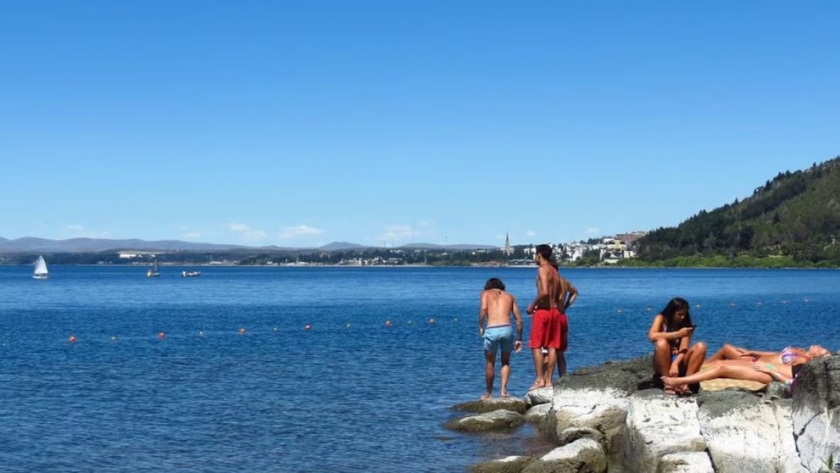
[{"x": 795, "y": 215}]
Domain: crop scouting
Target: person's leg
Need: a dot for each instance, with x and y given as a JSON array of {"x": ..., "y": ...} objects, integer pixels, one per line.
[
  {"x": 489, "y": 372},
  {"x": 564, "y": 345},
  {"x": 728, "y": 370},
  {"x": 726, "y": 352},
  {"x": 661, "y": 357},
  {"x": 505, "y": 372},
  {"x": 538, "y": 368},
  {"x": 694, "y": 358},
  {"x": 538, "y": 328},
  {"x": 549, "y": 369}
]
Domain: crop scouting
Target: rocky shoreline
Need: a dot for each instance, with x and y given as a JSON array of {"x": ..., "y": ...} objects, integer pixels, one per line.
[{"x": 610, "y": 419}]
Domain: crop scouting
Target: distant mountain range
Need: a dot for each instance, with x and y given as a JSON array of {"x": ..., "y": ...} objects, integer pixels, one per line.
[{"x": 92, "y": 245}]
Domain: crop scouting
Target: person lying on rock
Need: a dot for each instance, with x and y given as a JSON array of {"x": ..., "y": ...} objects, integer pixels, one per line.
[
  {"x": 734, "y": 369},
  {"x": 496, "y": 308},
  {"x": 673, "y": 353},
  {"x": 784, "y": 357}
]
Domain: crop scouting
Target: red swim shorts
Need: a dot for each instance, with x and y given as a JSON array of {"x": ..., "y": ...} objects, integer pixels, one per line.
[
  {"x": 544, "y": 329},
  {"x": 563, "y": 328}
]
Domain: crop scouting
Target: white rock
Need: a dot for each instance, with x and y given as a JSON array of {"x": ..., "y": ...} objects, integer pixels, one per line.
[
  {"x": 601, "y": 409},
  {"x": 685, "y": 462},
  {"x": 744, "y": 435},
  {"x": 656, "y": 426},
  {"x": 536, "y": 413},
  {"x": 581, "y": 456},
  {"x": 819, "y": 439},
  {"x": 539, "y": 396}
]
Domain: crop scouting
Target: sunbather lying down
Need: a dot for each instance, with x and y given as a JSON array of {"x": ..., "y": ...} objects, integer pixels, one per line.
[
  {"x": 759, "y": 371},
  {"x": 784, "y": 357}
]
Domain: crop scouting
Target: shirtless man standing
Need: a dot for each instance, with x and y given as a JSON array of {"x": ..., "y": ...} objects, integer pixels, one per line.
[
  {"x": 544, "y": 330},
  {"x": 568, "y": 295},
  {"x": 496, "y": 307}
]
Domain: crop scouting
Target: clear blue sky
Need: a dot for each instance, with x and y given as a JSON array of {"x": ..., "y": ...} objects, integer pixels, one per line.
[{"x": 299, "y": 123}]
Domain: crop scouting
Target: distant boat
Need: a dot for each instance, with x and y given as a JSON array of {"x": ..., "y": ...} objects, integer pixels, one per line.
[
  {"x": 41, "y": 271},
  {"x": 190, "y": 274},
  {"x": 153, "y": 272}
]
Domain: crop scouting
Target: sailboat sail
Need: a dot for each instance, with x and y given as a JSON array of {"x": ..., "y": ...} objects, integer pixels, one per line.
[
  {"x": 41, "y": 271},
  {"x": 153, "y": 271}
]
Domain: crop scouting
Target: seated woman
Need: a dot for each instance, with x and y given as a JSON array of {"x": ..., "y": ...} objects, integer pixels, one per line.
[
  {"x": 734, "y": 369},
  {"x": 673, "y": 354},
  {"x": 784, "y": 357}
]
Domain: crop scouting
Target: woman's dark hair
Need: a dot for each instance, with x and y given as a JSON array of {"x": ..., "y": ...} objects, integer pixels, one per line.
[
  {"x": 671, "y": 308},
  {"x": 494, "y": 283}
]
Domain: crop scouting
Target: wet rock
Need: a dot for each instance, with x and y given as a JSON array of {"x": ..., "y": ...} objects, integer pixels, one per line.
[
  {"x": 658, "y": 425},
  {"x": 516, "y": 404},
  {"x": 570, "y": 435},
  {"x": 513, "y": 464},
  {"x": 581, "y": 456},
  {"x": 498, "y": 420}
]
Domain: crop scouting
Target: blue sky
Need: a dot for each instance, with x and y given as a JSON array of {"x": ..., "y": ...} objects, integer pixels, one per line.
[{"x": 299, "y": 123}]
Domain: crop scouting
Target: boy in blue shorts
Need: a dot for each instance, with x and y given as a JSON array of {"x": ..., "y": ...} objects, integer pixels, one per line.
[{"x": 494, "y": 326}]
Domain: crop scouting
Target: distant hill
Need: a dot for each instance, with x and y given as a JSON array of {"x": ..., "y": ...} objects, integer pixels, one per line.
[
  {"x": 432, "y": 246},
  {"x": 83, "y": 245},
  {"x": 795, "y": 214},
  {"x": 94, "y": 245}
]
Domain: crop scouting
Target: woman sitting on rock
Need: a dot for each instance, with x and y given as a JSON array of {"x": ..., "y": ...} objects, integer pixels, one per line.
[
  {"x": 784, "y": 357},
  {"x": 673, "y": 354},
  {"x": 735, "y": 369}
]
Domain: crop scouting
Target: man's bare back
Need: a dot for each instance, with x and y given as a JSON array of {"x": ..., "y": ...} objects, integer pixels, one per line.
[
  {"x": 551, "y": 283},
  {"x": 499, "y": 305}
]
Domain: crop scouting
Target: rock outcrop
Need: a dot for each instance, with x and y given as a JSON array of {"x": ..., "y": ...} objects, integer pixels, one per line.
[
  {"x": 816, "y": 412},
  {"x": 608, "y": 418}
]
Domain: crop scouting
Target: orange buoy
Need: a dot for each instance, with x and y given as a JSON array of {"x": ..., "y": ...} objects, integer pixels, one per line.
[
  {"x": 72, "y": 339},
  {"x": 161, "y": 335},
  {"x": 307, "y": 327}
]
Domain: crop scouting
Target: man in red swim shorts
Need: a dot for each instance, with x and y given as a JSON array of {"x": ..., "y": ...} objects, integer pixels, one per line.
[{"x": 544, "y": 330}]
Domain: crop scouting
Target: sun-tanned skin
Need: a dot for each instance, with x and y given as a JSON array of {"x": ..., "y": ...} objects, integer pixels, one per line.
[
  {"x": 496, "y": 309},
  {"x": 568, "y": 295},
  {"x": 731, "y": 352},
  {"x": 758, "y": 371},
  {"x": 670, "y": 343},
  {"x": 548, "y": 289}
]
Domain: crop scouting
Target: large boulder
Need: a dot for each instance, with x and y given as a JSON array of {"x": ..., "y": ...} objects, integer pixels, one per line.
[
  {"x": 539, "y": 396},
  {"x": 581, "y": 456},
  {"x": 536, "y": 414},
  {"x": 658, "y": 425},
  {"x": 816, "y": 411},
  {"x": 745, "y": 434},
  {"x": 597, "y": 398},
  {"x": 499, "y": 420}
]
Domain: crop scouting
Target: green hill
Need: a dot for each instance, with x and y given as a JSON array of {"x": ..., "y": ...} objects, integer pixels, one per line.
[{"x": 794, "y": 218}]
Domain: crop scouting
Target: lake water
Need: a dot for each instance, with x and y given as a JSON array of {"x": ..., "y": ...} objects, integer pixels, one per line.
[{"x": 350, "y": 394}]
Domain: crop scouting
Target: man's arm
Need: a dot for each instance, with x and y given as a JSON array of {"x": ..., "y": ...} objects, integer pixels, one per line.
[
  {"x": 482, "y": 313},
  {"x": 572, "y": 296},
  {"x": 518, "y": 318}
]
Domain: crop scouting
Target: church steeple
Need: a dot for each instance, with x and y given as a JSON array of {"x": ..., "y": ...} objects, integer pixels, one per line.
[{"x": 508, "y": 250}]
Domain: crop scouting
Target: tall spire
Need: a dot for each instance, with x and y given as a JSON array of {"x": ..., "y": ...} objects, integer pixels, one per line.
[{"x": 508, "y": 249}]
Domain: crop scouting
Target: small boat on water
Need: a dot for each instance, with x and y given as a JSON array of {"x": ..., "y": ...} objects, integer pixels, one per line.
[
  {"x": 190, "y": 274},
  {"x": 153, "y": 272},
  {"x": 41, "y": 271}
]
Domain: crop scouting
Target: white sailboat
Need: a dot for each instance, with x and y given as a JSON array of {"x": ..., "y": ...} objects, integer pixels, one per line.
[
  {"x": 41, "y": 271},
  {"x": 153, "y": 272}
]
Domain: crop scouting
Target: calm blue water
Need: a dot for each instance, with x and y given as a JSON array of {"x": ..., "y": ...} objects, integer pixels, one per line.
[{"x": 348, "y": 395}]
